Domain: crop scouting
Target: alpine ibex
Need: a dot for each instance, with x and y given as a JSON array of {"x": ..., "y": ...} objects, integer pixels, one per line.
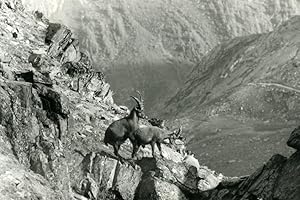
[
  {"x": 151, "y": 135},
  {"x": 118, "y": 131}
]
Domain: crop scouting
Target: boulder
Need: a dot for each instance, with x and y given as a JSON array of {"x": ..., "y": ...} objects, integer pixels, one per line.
[
  {"x": 288, "y": 184},
  {"x": 156, "y": 189},
  {"x": 72, "y": 53},
  {"x": 105, "y": 174},
  {"x": 208, "y": 179},
  {"x": 126, "y": 181}
]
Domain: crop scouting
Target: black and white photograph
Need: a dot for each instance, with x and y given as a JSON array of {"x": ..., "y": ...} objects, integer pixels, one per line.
[{"x": 149, "y": 99}]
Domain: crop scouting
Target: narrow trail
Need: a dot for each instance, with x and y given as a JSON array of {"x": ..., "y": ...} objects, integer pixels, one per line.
[{"x": 277, "y": 85}]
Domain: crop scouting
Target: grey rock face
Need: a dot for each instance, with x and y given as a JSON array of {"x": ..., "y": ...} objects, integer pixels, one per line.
[
  {"x": 294, "y": 140},
  {"x": 272, "y": 181}
]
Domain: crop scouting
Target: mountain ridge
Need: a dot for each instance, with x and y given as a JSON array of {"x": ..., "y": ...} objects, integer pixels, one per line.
[{"x": 151, "y": 46}]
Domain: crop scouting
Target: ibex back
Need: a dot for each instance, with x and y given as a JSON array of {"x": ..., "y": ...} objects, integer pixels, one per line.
[{"x": 151, "y": 135}]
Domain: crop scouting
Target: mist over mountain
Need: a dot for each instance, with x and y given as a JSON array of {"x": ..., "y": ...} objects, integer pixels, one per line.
[{"x": 152, "y": 45}]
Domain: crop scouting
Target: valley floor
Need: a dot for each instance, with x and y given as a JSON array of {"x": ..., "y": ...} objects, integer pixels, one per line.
[{"x": 235, "y": 148}]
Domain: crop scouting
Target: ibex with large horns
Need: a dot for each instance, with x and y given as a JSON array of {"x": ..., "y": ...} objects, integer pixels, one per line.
[{"x": 118, "y": 131}]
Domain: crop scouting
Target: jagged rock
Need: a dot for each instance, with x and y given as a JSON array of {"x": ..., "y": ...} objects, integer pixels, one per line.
[
  {"x": 16, "y": 133},
  {"x": 82, "y": 75},
  {"x": 59, "y": 41},
  {"x": 126, "y": 181},
  {"x": 101, "y": 90},
  {"x": 34, "y": 77},
  {"x": 190, "y": 160},
  {"x": 25, "y": 123},
  {"x": 208, "y": 180},
  {"x": 182, "y": 176},
  {"x": 53, "y": 101},
  {"x": 16, "y": 115},
  {"x": 38, "y": 161},
  {"x": 168, "y": 153},
  {"x": 107, "y": 174},
  {"x": 155, "y": 189},
  {"x": 34, "y": 116},
  {"x": 288, "y": 184},
  {"x": 72, "y": 53},
  {"x": 51, "y": 31},
  {"x": 19, "y": 183},
  {"x": 152, "y": 179},
  {"x": 277, "y": 179},
  {"x": 294, "y": 140},
  {"x": 259, "y": 185}
]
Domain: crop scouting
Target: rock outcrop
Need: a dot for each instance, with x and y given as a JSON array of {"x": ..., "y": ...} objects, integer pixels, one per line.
[
  {"x": 53, "y": 114},
  {"x": 294, "y": 140},
  {"x": 37, "y": 106}
]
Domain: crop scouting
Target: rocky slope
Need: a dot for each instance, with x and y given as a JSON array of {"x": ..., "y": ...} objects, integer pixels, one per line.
[
  {"x": 53, "y": 115},
  {"x": 245, "y": 90},
  {"x": 152, "y": 45}
]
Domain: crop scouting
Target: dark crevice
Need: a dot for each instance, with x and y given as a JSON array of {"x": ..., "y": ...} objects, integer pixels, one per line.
[
  {"x": 148, "y": 167},
  {"x": 51, "y": 31}
]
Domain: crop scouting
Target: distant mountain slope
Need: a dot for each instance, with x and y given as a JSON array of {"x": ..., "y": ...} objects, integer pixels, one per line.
[
  {"x": 242, "y": 96},
  {"x": 152, "y": 45},
  {"x": 250, "y": 63}
]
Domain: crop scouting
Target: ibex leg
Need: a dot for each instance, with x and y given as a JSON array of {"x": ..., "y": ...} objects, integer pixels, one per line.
[
  {"x": 153, "y": 149},
  {"x": 159, "y": 148},
  {"x": 116, "y": 151},
  {"x": 135, "y": 150}
]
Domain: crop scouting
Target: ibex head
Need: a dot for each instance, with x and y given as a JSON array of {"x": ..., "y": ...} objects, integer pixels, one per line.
[{"x": 139, "y": 108}]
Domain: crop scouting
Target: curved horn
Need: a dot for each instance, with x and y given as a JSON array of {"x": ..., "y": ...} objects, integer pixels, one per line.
[
  {"x": 139, "y": 93},
  {"x": 141, "y": 100},
  {"x": 179, "y": 131},
  {"x": 138, "y": 102}
]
